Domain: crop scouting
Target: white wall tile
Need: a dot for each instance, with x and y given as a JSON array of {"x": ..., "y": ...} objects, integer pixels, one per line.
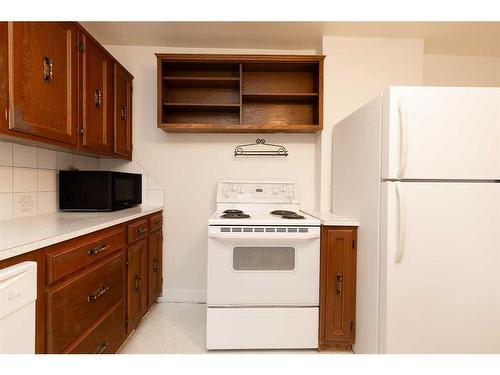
[
  {"x": 86, "y": 163},
  {"x": 25, "y": 180},
  {"x": 5, "y": 179},
  {"x": 65, "y": 160},
  {"x": 155, "y": 198},
  {"x": 6, "y": 206},
  {"x": 47, "y": 159},
  {"x": 93, "y": 164},
  {"x": 144, "y": 198},
  {"x": 106, "y": 164},
  {"x": 153, "y": 185},
  {"x": 47, "y": 202},
  {"x": 24, "y": 156},
  {"x": 144, "y": 182},
  {"x": 25, "y": 204},
  {"x": 122, "y": 165},
  {"x": 6, "y": 154},
  {"x": 47, "y": 180}
]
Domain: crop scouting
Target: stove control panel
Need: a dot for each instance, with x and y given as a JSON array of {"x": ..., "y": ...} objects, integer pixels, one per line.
[{"x": 258, "y": 192}]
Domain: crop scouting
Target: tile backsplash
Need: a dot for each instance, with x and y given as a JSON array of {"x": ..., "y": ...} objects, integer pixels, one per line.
[{"x": 29, "y": 175}]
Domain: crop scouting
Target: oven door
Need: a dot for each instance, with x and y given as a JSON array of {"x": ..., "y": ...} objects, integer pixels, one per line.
[{"x": 263, "y": 269}]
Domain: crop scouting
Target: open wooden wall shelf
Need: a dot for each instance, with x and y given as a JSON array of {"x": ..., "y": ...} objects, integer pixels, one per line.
[{"x": 240, "y": 93}]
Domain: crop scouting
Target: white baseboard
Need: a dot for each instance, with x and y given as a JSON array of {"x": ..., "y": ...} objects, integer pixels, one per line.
[{"x": 183, "y": 295}]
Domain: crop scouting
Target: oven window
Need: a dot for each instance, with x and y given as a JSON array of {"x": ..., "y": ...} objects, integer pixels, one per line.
[{"x": 263, "y": 258}]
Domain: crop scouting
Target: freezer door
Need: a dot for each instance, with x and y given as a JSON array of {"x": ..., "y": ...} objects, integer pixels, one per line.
[
  {"x": 440, "y": 266},
  {"x": 441, "y": 133}
]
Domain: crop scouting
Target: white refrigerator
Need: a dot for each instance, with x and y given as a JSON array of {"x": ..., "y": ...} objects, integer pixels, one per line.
[{"x": 420, "y": 168}]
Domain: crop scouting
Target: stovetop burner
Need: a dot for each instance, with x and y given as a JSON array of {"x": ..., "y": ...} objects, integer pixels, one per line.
[
  {"x": 283, "y": 212},
  {"x": 294, "y": 216},
  {"x": 240, "y": 215},
  {"x": 232, "y": 212}
]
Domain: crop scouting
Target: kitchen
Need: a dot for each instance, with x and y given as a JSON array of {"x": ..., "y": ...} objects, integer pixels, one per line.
[{"x": 190, "y": 173}]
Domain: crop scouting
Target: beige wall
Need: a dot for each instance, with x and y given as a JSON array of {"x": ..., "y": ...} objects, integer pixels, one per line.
[
  {"x": 188, "y": 167},
  {"x": 450, "y": 70},
  {"x": 356, "y": 71}
]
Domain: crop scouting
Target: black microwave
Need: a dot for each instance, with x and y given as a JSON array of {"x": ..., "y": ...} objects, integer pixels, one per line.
[{"x": 98, "y": 190}]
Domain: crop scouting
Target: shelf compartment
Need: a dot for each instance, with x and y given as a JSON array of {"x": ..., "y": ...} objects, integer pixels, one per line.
[
  {"x": 202, "y": 82},
  {"x": 283, "y": 114},
  {"x": 201, "y": 107},
  {"x": 201, "y": 118},
  {"x": 200, "y": 69},
  {"x": 280, "y": 97},
  {"x": 202, "y": 95}
]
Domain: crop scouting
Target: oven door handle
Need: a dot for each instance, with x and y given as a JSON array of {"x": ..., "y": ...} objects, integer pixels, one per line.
[{"x": 266, "y": 236}]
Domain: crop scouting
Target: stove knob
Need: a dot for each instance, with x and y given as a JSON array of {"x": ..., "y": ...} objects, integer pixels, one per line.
[
  {"x": 240, "y": 190},
  {"x": 233, "y": 187},
  {"x": 289, "y": 193},
  {"x": 227, "y": 193},
  {"x": 275, "y": 190},
  {"x": 283, "y": 188}
]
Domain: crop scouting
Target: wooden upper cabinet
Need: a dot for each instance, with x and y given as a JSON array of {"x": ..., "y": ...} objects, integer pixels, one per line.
[
  {"x": 123, "y": 112},
  {"x": 240, "y": 93},
  {"x": 337, "y": 305},
  {"x": 97, "y": 97},
  {"x": 43, "y": 80}
]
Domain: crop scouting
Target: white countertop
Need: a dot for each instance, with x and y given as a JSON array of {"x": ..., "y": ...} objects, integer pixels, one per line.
[
  {"x": 19, "y": 236},
  {"x": 332, "y": 218}
]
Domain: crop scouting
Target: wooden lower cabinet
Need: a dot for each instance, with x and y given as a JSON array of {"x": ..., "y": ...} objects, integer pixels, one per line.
[
  {"x": 90, "y": 286},
  {"x": 155, "y": 279},
  {"x": 137, "y": 283},
  {"x": 337, "y": 306}
]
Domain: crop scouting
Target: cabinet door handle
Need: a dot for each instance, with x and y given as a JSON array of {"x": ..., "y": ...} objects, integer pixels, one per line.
[
  {"x": 48, "y": 69},
  {"x": 123, "y": 112},
  {"x": 140, "y": 230},
  {"x": 158, "y": 222},
  {"x": 98, "y": 293},
  {"x": 137, "y": 283},
  {"x": 155, "y": 264},
  {"x": 98, "y": 97},
  {"x": 101, "y": 348},
  {"x": 97, "y": 249},
  {"x": 339, "y": 284}
]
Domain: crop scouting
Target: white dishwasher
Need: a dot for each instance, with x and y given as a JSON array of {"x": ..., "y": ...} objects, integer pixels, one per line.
[{"x": 17, "y": 308}]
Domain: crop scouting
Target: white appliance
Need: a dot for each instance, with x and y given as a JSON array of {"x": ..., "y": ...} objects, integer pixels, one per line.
[
  {"x": 419, "y": 167},
  {"x": 263, "y": 269},
  {"x": 17, "y": 308}
]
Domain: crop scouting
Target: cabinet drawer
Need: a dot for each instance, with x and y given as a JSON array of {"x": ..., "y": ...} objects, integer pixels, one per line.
[
  {"x": 77, "y": 254},
  {"x": 155, "y": 222},
  {"x": 137, "y": 230},
  {"x": 107, "y": 336},
  {"x": 73, "y": 306}
]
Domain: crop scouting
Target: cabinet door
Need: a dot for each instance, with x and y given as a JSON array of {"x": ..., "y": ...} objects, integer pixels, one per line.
[
  {"x": 43, "y": 79},
  {"x": 123, "y": 112},
  {"x": 97, "y": 97},
  {"x": 137, "y": 283},
  {"x": 155, "y": 266},
  {"x": 337, "y": 288}
]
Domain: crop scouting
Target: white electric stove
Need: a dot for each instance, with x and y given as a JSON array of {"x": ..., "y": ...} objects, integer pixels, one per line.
[{"x": 263, "y": 269}]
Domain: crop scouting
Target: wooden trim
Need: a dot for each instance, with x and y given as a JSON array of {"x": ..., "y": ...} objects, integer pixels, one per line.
[{"x": 247, "y": 58}]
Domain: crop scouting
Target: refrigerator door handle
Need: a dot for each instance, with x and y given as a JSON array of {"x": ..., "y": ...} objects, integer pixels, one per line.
[
  {"x": 403, "y": 123},
  {"x": 398, "y": 256}
]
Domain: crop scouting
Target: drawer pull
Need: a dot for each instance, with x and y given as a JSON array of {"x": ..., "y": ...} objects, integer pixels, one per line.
[
  {"x": 98, "y": 293},
  {"x": 98, "y": 98},
  {"x": 101, "y": 348},
  {"x": 137, "y": 283},
  {"x": 140, "y": 231},
  {"x": 97, "y": 249},
  {"x": 158, "y": 222},
  {"x": 339, "y": 284},
  {"x": 155, "y": 264},
  {"x": 48, "y": 69}
]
